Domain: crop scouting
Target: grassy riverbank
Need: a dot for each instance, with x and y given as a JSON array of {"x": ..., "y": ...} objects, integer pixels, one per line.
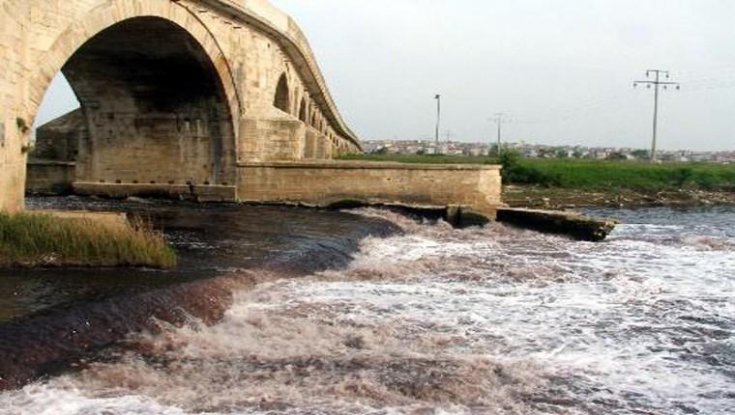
[
  {"x": 33, "y": 239},
  {"x": 558, "y": 182},
  {"x": 570, "y": 183},
  {"x": 603, "y": 175}
]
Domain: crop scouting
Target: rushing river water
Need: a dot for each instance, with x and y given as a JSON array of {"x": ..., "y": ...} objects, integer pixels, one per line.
[{"x": 425, "y": 320}]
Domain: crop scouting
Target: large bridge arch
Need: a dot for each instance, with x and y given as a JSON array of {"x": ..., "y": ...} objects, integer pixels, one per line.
[
  {"x": 157, "y": 94},
  {"x": 241, "y": 48}
]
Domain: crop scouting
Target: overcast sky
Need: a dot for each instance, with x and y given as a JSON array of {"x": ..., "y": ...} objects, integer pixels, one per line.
[{"x": 562, "y": 69}]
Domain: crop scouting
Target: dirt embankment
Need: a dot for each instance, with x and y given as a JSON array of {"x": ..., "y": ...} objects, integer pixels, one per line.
[{"x": 555, "y": 198}]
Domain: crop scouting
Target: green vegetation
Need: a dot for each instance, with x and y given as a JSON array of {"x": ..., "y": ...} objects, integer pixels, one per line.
[
  {"x": 590, "y": 175},
  {"x": 604, "y": 175},
  {"x": 28, "y": 240}
]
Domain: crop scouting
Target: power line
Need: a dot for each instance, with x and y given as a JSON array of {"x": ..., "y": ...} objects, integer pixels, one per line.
[
  {"x": 708, "y": 80},
  {"x": 657, "y": 83}
]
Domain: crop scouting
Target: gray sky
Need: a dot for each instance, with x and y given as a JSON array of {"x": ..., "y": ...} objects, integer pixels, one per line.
[{"x": 563, "y": 69}]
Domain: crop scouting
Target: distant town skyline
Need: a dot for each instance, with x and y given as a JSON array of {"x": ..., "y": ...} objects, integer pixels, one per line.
[
  {"x": 563, "y": 70},
  {"x": 459, "y": 148}
]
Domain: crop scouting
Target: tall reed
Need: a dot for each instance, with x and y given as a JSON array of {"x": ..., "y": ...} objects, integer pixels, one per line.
[{"x": 31, "y": 239}]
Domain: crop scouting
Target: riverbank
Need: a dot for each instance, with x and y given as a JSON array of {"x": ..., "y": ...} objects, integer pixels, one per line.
[
  {"x": 561, "y": 198},
  {"x": 570, "y": 183},
  {"x": 50, "y": 239}
]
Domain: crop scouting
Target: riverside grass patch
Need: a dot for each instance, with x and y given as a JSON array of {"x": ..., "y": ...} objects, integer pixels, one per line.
[
  {"x": 43, "y": 240},
  {"x": 588, "y": 175},
  {"x": 602, "y": 175}
]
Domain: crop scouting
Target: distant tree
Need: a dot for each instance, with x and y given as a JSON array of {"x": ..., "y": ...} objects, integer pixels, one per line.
[
  {"x": 577, "y": 154},
  {"x": 667, "y": 157},
  {"x": 381, "y": 150},
  {"x": 616, "y": 156},
  {"x": 493, "y": 150},
  {"x": 641, "y": 154},
  {"x": 421, "y": 152},
  {"x": 545, "y": 153},
  {"x": 510, "y": 159},
  {"x": 517, "y": 172},
  {"x": 562, "y": 154}
]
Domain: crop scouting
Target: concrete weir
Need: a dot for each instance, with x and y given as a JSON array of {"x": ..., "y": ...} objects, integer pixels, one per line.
[
  {"x": 324, "y": 184},
  {"x": 571, "y": 224}
]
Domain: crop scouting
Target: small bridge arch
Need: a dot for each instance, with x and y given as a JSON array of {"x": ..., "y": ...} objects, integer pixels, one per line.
[{"x": 282, "y": 99}]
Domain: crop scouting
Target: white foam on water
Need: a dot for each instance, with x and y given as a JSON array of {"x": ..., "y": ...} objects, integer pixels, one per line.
[
  {"x": 46, "y": 400},
  {"x": 443, "y": 321}
]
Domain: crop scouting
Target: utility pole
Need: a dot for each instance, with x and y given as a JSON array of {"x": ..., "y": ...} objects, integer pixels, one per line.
[
  {"x": 438, "y": 99},
  {"x": 499, "y": 120},
  {"x": 657, "y": 83}
]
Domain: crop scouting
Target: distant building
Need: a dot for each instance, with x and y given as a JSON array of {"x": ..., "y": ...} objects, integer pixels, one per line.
[{"x": 540, "y": 151}]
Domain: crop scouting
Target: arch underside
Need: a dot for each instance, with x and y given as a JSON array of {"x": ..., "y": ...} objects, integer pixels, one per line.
[{"x": 154, "y": 106}]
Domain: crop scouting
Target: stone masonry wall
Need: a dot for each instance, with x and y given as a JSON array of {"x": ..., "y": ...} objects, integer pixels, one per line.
[{"x": 324, "y": 183}]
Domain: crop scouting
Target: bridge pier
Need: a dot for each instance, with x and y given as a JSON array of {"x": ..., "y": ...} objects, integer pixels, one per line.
[
  {"x": 272, "y": 138},
  {"x": 13, "y": 142}
]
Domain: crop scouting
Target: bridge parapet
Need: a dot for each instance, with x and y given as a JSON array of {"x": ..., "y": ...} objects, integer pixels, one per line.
[{"x": 263, "y": 15}]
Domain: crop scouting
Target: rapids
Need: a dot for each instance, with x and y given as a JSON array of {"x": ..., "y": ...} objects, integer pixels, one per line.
[{"x": 435, "y": 320}]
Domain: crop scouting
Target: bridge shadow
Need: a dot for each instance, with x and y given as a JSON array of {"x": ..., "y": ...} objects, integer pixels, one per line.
[{"x": 153, "y": 113}]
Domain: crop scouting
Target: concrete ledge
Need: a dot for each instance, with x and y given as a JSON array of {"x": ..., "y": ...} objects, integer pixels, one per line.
[
  {"x": 211, "y": 193},
  {"x": 571, "y": 224}
]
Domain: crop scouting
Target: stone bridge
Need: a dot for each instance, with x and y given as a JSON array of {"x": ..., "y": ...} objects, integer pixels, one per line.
[
  {"x": 175, "y": 94},
  {"x": 217, "y": 100}
]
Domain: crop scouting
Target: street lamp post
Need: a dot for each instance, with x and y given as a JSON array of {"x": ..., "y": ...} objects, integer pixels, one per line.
[
  {"x": 500, "y": 119},
  {"x": 438, "y": 98}
]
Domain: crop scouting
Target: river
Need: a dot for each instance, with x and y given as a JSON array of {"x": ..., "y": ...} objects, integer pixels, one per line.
[{"x": 370, "y": 312}]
